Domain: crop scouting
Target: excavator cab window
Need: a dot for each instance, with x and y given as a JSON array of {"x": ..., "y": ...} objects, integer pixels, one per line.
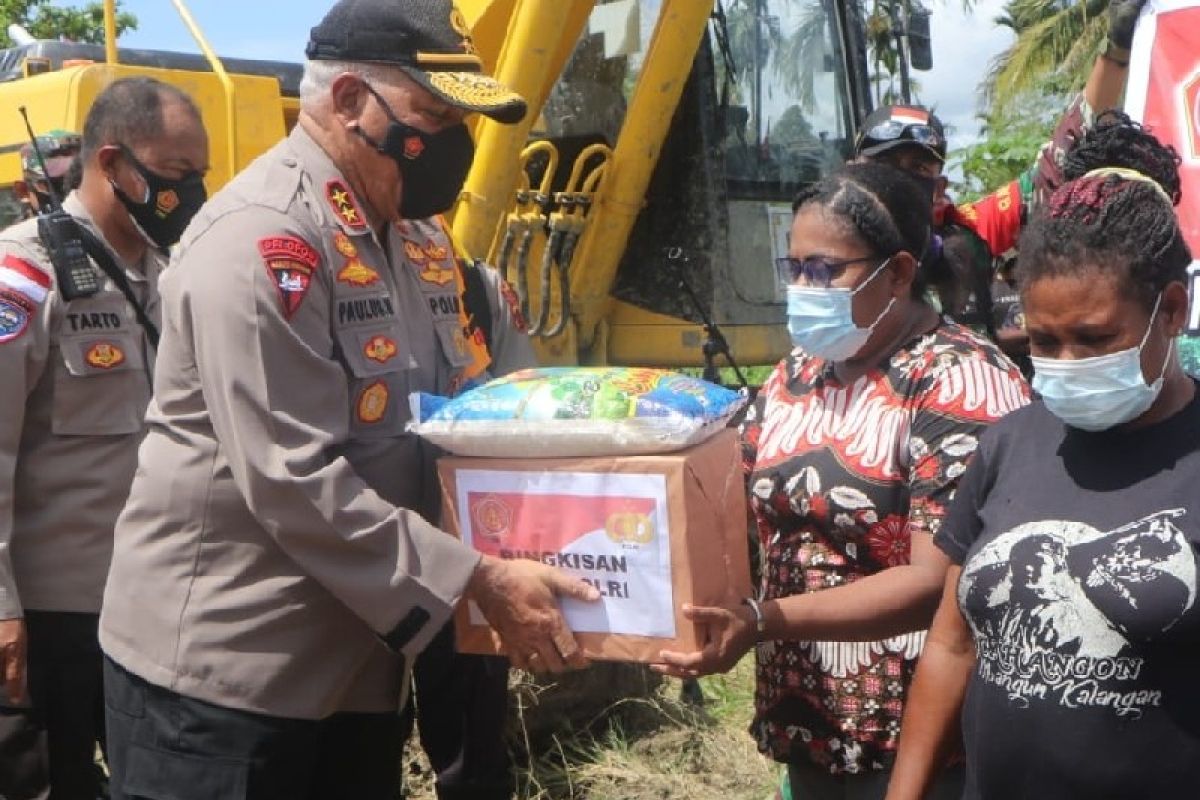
[
  {"x": 771, "y": 105},
  {"x": 785, "y": 114}
]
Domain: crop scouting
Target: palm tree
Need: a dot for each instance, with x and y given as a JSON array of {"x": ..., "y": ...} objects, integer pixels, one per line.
[
  {"x": 796, "y": 54},
  {"x": 1055, "y": 39}
]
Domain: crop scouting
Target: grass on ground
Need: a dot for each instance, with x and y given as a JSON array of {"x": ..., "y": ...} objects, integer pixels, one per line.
[{"x": 651, "y": 746}]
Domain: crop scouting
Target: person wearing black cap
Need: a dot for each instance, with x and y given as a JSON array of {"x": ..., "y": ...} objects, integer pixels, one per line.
[
  {"x": 276, "y": 566},
  {"x": 974, "y": 236}
]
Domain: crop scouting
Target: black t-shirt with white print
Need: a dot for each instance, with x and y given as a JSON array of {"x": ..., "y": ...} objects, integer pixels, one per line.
[{"x": 1079, "y": 585}]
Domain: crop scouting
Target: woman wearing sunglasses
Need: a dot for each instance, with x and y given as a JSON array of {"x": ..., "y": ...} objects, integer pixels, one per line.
[
  {"x": 852, "y": 452},
  {"x": 1068, "y": 636}
]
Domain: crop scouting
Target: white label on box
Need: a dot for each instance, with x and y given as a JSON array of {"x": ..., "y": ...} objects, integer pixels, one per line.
[{"x": 611, "y": 530}]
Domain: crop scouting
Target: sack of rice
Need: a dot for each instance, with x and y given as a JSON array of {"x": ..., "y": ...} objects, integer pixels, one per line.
[{"x": 568, "y": 412}]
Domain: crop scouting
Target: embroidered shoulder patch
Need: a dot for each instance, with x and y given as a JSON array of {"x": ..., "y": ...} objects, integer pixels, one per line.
[
  {"x": 15, "y": 312},
  {"x": 345, "y": 205},
  {"x": 290, "y": 262}
]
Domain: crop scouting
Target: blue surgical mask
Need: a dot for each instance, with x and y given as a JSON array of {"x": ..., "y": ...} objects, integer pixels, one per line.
[
  {"x": 1095, "y": 394},
  {"x": 821, "y": 321}
]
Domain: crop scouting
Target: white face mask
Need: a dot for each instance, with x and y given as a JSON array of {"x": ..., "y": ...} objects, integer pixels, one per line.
[
  {"x": 821, "y": 321},
  {"x": 1094, "y": 394}
]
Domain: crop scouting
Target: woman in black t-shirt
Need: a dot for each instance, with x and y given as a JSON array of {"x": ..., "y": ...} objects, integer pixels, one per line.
[{"x": 1068, "y": 635}]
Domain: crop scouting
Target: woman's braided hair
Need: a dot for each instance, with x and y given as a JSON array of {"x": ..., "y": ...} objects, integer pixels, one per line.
[
  {"x": 1121, "y": 224},
  {"x": 881, "y": 205}
]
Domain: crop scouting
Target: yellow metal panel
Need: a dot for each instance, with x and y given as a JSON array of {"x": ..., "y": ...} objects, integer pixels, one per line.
[
  {"x": 50, "y": 101},
  {"x": 62, "y": 99},
  {"x": 641, "y": 338},
  {"x": 527, "y": 63},
  {"x": 681, "y": 24}
]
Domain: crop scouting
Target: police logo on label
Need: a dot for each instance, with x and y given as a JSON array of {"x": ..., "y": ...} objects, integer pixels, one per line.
[
  {"x": 373, "y": 403},
  {"x": 15, "y": 313},
  {"x": 380, "y": 349},
  {"x": 104, "y": 355},
  {"x": 492, "y": 517},
  {"x": 630, "y": 529}
]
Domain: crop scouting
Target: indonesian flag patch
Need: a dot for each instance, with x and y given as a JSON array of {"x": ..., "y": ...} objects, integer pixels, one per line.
[{"x": 290, "y": 261}]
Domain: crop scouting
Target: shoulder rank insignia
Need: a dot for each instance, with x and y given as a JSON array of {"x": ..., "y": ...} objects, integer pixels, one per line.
[
  {"x": 104, "y": 355},
  {"x": 290, "y": 262},
  {"x": 373, "y": 403},
  {"x": 354, "y": 272},
  {"x": 344, "y": 205}
]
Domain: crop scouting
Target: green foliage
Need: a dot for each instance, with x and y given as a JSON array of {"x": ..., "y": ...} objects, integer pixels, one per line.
[
  {"x": 46, "y": 21},
  {"x": 1013, "y": 135},
  {"x": 1056, "y": 39}
]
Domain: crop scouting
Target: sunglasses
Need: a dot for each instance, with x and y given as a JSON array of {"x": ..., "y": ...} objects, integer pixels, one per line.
[
  {"x": 894, "y": 129},
  {"x": 817, "y": 271}
]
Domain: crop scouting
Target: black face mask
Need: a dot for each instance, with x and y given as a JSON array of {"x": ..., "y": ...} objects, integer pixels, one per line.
[
  {"x": 433, "y": 166},
  {"x": 928, "y": 185},
  {"x": 168, "y": 206}
]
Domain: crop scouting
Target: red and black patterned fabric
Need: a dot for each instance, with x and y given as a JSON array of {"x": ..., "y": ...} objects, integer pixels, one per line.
[{"x": 841, "y": 477}]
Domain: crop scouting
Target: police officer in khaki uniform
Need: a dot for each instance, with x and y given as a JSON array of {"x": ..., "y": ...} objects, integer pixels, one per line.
[
  {"x": 275, "y": 566},
  {"x": 76, "y": 369}
]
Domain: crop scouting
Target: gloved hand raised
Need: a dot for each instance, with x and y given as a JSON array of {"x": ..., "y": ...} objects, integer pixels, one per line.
[{"x": 1122, "y": 18}]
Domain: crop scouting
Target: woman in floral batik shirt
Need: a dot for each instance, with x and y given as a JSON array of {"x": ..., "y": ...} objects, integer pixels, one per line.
[{"x": 852, "y": 452}]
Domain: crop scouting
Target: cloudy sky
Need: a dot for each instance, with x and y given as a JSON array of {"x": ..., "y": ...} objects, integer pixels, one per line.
[{"x": 963, "y": 43}]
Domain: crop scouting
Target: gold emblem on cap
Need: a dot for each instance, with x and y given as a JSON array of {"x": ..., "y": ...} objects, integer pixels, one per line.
[{"x": 459, "y": 23}]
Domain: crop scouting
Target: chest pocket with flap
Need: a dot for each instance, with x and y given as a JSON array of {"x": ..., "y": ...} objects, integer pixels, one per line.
[
  {"x": 374, "y": 349},
  {"x": 101, "y": 384}
]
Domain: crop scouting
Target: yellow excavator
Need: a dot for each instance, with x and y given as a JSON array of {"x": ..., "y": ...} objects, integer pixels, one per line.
[{"x": 638, "y": 208}]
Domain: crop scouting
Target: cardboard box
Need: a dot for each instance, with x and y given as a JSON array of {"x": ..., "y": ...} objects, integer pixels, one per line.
[{"x": 650, "y": 532}]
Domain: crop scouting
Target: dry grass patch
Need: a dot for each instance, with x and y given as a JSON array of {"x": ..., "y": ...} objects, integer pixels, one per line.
[{"x": 618, "y": 733}]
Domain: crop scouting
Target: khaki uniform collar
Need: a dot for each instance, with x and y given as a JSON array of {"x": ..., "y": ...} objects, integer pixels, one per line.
[
  {"x": 152, "y": 262},
  {"x": 344, "y": 206}
]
